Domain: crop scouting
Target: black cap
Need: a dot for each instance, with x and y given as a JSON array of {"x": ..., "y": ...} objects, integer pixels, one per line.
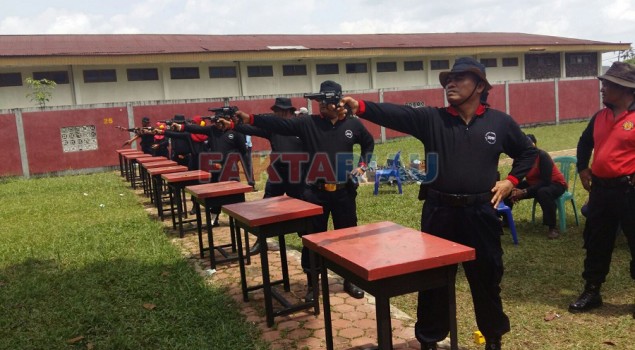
[
  {"x": 145, "y": 120},
  {"x": 330, "y": 86}
]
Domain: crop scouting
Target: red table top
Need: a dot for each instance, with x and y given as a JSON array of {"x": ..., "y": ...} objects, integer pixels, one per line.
[
  {"x": 128, "y": 150},
  {"x": 133, "y": 156},
  {"x": 218, "y": 189},
  {"x": 167, "y": 170},
  {"x": 159, "y": 164},
  {"x": 150, "y": 159},
  {"x": 271, "y": 210},
  {"x": 199, "y": 175},
  {"x": 385, "y": 249}
]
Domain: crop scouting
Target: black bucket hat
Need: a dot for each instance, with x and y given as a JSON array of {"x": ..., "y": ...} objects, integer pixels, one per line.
[
  {"x": 620, "y": 73},
  {"x": 330, "y": 86},
  {"x": 466, "y": 64},
  {"x": 283, "y": 103}
]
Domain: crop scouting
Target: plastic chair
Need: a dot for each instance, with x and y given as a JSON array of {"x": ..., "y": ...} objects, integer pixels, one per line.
[
  {"x": 507, "y": 211},
  {"x": 567, "y": 165},
  {"x": 387, "y": 173}
]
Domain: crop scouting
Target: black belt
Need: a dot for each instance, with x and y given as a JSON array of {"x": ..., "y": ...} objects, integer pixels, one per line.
[
  {"x": 612, "y": 182},
  {"x": 321, "y": 186},
  {"x": 458, "y": 200}
]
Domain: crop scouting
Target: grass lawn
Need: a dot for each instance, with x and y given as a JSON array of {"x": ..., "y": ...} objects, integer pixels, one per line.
[{"x": 82, "y": 266}]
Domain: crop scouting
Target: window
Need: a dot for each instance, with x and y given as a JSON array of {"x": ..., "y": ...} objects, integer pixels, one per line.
[
  {"x": 10, "y": 79},
  {"x": 386, "y": 67},
  {"x": 259, "y": 71},
  {"x": 328, "y": 68},
  {"x": 489, "y": 62},
  {"x": 293, "y": 70},
  {"x": 579, "y": 58},
  {"x": 439, "y": 64},
  {"x": 142, "y": 74},
  {"x": 184, "y": 73},
  {"x": 412, "y": 65},
  {"x": 100, "y": 76},
  {"x": 59, "y": 77},
  {"x": 222, "y": 72},
  {"x": 510, "y": 61},
  {"x": 352, "y": 68}
]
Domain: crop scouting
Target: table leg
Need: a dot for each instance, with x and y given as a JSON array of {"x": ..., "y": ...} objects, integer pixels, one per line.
[
  {"x": 179, "y": 209},
  {"x": 241, "y": 262},
  {"x": 283, "y": 261},
  {"x": 158, "y": 195},
  {"x": 384, "y": 331},
  {"x": 172, "y": 207},
  {"x": 328, "y": 326},
  {"x": 314, "y": 282},
  {"x": 266, "y": 281},
  {"x": 454, "y": 341},
  {"x": 121, "y": 164},
  {"x": 210, "y": 236},
  {"x": 199, "y": 228}
]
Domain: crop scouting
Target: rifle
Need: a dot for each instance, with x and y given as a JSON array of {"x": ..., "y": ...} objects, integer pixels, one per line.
[
  {"x": 226, "y": 113},
  {"x": 327, "y": 97},
  {"x": 145, "y": 129}
]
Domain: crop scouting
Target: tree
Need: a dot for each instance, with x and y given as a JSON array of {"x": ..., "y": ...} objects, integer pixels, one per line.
[
  {"x": 629, "y": 56},
  {"x": 41, "y": 90}
]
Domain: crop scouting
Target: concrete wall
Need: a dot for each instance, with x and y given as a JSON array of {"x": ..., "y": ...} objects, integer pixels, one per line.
[{"x": 33, "y": 142}]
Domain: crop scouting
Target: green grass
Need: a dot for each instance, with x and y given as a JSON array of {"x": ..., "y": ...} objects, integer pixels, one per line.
[
  {"x": 81, "y": 259},
  {"x": 71, "y": 268}
]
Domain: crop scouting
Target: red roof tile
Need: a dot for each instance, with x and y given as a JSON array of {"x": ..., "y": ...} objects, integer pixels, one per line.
[{"x": 140, "y": 44}]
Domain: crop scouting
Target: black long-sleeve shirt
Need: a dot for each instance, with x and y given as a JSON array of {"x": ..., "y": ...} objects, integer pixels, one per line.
[
  {"x": 222, "y": 142},
  {"x": 323, "y": 138},
  {"x": 468, "y": 154},
  {"x": 280, "y": 144}
]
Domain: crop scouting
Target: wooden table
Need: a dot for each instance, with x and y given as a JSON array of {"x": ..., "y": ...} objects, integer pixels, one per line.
[
  {"x": 146, "y": 178},
  {"x": 131, "y": 160},
  {"x": 122, "y": 165},
  {"x": 157, "y": 184},
  {"x": 176, "y": 184},
  {"x": 386, "y": 260},
  {"x": 265, "y": 218},
  {"x": 216, "y": 195}
]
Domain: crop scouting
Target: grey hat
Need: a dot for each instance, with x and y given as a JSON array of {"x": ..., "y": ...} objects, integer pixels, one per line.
[
  {"x": 620, "y": 73},
  {"x": 466, "y": 64}
]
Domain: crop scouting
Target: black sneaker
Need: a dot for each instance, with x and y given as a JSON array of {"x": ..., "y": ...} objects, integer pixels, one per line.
[{"x": 429, "y": 346}]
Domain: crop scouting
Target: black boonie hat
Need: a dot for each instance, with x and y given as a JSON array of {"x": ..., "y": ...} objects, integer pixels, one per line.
[
  {"x": 283, "y": 103},
  {"x": 466, "y": 64},
  {"x": 145, "y": 120},
  {"x": 620, "y": 73},
  {"x": 179, "y": 118}
]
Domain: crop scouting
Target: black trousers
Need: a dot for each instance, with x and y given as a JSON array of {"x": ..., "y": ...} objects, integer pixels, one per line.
[
  {"x": 546, "y": 197},
  {"x": 608, "y": 208},
  {"x": 284, "y": 187},
  {"x": 476, "y": 226},
  {"x": 339, "y": 204}
]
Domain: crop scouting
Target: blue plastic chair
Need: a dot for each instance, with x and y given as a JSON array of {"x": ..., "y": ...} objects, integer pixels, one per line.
[
  {"x": 387, "y": 173},
  {"x": 507, "y": 211},
  {"x": 567, "y": 165}
]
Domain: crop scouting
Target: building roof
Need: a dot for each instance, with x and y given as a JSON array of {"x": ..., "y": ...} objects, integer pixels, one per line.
[{"x": 158, "y": 44}]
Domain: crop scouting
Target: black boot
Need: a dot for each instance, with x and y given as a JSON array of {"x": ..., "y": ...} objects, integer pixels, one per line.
[
  {"x": 429, "y": 346},
  {"x": 493, "y": 344},
  {"x": 589, "y": 299},
  {"x": 255, "y": 249},
  {"x": 353, "y": 290},
  {"x": 309, "y": 289}
]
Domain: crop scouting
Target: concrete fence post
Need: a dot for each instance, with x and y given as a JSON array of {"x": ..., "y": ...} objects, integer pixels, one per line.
[{"x": 22, "y": 143}]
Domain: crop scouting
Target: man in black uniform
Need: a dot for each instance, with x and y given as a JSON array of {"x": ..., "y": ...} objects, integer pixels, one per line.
[
  {"x": 610, "y": 136},
  {"x": 182, "y": 147},
  {"x": 280, "y": 180},
  {"x": 460, "y": 203},
  {"x": 146, "y": 136},
  {"x": 328, "y": 140},
  {"x": 227, "y": 148}
]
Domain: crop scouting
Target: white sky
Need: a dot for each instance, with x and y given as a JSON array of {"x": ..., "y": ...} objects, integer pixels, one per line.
[{"x": 609, "y": 21}]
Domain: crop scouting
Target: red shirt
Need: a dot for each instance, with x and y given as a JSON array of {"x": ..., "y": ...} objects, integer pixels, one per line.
[{"x": 614, "y": 144}]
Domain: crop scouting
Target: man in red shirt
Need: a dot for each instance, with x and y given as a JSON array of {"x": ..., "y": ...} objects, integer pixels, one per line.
[
  {"x": 610, "y": 136},
  {"x": 545, "y": 182}
]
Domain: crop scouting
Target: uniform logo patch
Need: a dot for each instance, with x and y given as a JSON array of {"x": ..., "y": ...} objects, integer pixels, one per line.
[
  {"x": 628, "y": 125},
  {"x": 230, "y": 136},
  {"x": 490, "y": 137},
  {"x": 348, "y": 134}
]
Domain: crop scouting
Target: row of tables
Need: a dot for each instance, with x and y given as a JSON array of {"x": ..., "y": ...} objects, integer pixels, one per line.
[{"x": 385, "y": 259}]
